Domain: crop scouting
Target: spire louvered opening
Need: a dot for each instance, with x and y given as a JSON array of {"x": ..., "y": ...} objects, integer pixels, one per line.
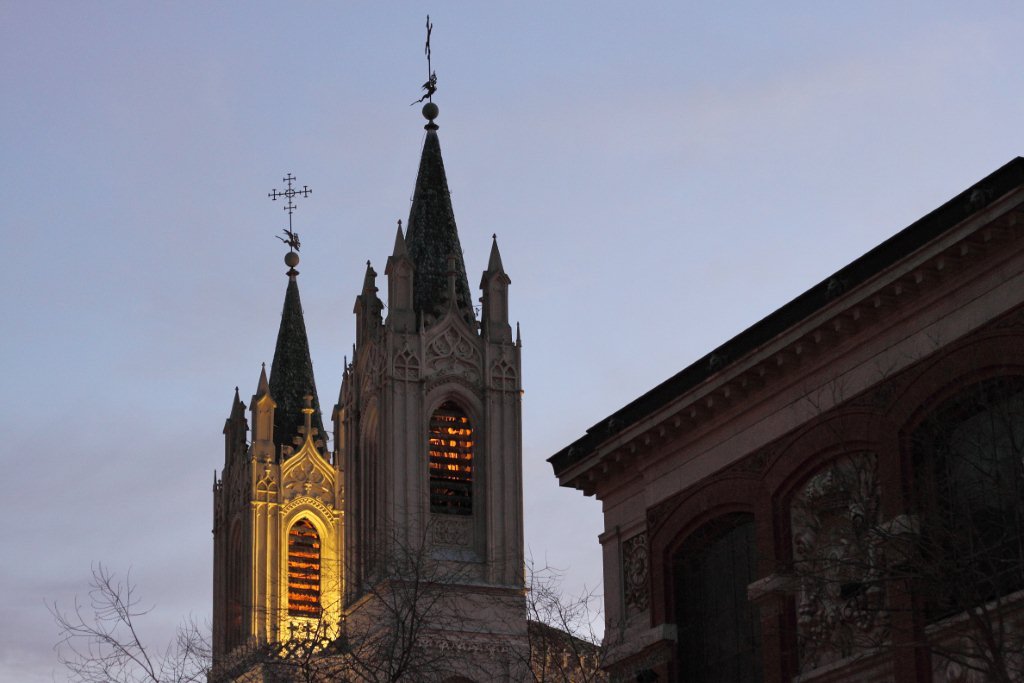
[
  {"x": 451, "y": 461},
  {"x": 303, "y": 570}
]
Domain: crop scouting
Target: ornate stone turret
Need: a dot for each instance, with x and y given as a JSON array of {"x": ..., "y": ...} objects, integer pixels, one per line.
[
  {"x": 277, "y": 532},
  {"x": 401, "y": 315},
  {"x": 427, "y": 427},
  {"x": 494, "y": 285}
]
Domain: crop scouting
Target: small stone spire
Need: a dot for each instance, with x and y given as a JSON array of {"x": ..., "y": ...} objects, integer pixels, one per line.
[
  {"x": 263, "y": 386},
  {"x": 494, "y": 262},
  {"x": 291, "y": 373},
  {"x": 494, "y": 284},
  {"x": 400, "y": 249}
]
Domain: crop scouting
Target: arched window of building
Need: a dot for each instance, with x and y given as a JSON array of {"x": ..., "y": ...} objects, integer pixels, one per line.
[
  {"x": 969, "y": 471},
  {"x": 840, "y": 604},
  {"x": 719, "y": 633},
  {"x": 303, "y": 570},
  {"x": 451, "y": 461}
]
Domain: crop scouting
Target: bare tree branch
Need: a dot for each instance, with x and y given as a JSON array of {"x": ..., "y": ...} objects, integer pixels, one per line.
[{"x": 100, "y": 642}]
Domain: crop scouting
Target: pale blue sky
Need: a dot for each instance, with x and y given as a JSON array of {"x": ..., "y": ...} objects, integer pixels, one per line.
[{"x": 660, "y": 176}]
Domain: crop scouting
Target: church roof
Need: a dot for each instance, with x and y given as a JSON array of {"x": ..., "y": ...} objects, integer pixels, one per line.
[
  {"x": 291, "y": 373},
  {"x": 972, "y": 200},
  {"x": 432, "y": 237}
]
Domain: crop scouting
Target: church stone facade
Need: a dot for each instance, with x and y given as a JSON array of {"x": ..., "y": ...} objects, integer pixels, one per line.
[
  {"x": 837, "y": 493},
  {"x": 322, "y": 550}
]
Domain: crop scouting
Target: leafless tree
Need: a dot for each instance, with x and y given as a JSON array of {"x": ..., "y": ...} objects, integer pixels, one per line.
[
  {"x": 563, "y": 644},
  {"x": 100, "y": 640}
]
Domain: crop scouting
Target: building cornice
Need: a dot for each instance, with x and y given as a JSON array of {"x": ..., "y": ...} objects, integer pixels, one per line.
[{"x": 976, "y": 226}]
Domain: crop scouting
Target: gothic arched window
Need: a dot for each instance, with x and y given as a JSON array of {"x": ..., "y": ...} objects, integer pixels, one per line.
[
  {"x": 303, "y": 570},
  {"x": 451, "y": 461},
  {"x": 969, "y": 470},
  {"x": 719, "y": 633}
]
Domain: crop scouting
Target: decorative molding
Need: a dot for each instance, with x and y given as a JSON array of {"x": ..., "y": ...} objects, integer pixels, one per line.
[
  {"x": 440, "y": 381},
  {"x": 636, "y": 572},
  {"x": 328, "y": 513}
]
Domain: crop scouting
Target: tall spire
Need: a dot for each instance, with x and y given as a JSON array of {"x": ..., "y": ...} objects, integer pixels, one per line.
[
  {"x": 291, "y": 373},
  {"x": 432, "y": 235}
]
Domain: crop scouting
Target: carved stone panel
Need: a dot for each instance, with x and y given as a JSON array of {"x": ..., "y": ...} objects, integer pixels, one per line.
[
  {"x": 407, "y": 364},
  {"x": 453, "y": 353},
  {"x": 452, "y": 531},
  {"x": 636, "y": 572},
  {"x": 266, "y": 487},
  {"x": 503, "y": 375},
  {"x": 307, "y": 480},
  {"x": 837, "y": 559}
]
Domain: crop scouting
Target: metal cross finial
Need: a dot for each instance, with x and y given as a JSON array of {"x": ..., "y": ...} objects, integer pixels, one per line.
[
  {"x": 292, "y": 238},
  {"x": 430, "y": 87}
]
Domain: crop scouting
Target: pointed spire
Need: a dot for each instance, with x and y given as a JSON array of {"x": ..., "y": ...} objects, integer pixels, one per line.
[
  {"x": 237, "y": 407},
  {"x": 494, "y": 262},
  {"x": 432, "y": 236},
  {"x": 369, "y": 280},
  {"x": 263, "y": 386},
  {"x": 291, "y": 373},
  {"x": 399, "y": 249}
]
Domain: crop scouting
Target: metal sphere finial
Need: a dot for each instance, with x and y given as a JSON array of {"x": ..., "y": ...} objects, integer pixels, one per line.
[{"x": 430, "y": 111}]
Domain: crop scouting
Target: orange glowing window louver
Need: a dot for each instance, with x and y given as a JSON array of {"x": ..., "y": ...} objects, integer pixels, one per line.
[
  {"x": 303, "y": 570},
  {"x": 451, "y": 461}
]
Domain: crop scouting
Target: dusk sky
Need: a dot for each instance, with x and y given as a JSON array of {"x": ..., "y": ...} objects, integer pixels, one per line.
[{"x": 659, "y": 175}]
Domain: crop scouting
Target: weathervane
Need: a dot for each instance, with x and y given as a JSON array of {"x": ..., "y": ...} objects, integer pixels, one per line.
[
  {"x": 430, "y": 87},
  {"x": 291, "y": 237}
]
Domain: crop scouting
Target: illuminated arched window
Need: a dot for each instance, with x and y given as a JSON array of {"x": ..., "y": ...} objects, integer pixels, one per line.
[
  {"x": 303, "y": 570},
  {"x": 451, "y": 461}
]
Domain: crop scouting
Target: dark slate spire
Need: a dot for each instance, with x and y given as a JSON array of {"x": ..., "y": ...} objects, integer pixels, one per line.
[
  {"x": 432, "y": 236},
  {"x": 291, "y": 373}
]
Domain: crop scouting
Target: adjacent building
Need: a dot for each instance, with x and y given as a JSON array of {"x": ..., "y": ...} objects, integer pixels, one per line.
[{"x": 837, "y": 493}]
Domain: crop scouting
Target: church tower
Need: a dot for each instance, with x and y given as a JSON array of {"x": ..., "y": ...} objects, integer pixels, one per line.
[
  {"x": 428, "y": 421},
  {"x": 278, "y": 570}
]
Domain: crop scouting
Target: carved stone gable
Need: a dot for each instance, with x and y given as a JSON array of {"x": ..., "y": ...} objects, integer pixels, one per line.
[
  {"x": 306, "y": 478},
  {"x": 454, "y": 353}
]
